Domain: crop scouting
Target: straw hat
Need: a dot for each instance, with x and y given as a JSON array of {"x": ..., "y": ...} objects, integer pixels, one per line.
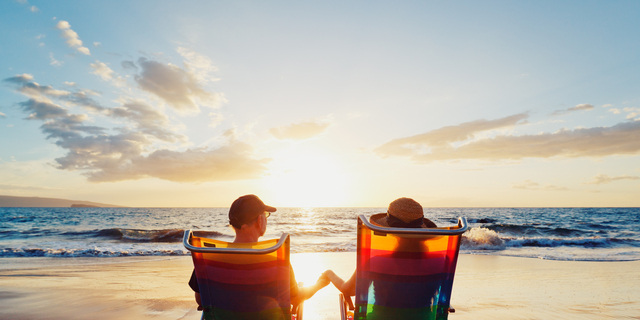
[{"x": 403, "y": 213}]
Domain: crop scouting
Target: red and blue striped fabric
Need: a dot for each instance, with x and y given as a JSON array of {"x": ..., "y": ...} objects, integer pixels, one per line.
[
  {"x": 404, "y": 276},
  {"x": 243, "y": 286}
]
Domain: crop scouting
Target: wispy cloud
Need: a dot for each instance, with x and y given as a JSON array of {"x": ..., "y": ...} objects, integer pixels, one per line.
[
  {"x": 32, "y": 89},
  {"x": 73, "y": 40},
  {"x": 53, "y": 60},
  {"x": 531, "y": 185},
  {"x": 299, "y": 131},
  {"x": 21, "y": 187},
  {"x": 623, "y": 138},
  {"x": 443, "y": 137},
  {"x": 584, "y": 106},
  {"x": 129, "y": 65},
  {"x": 172, "y": 84},
  {"x": 604, "y": 179},
  {"x": 101, "y": 69},
  {"x": 632, "y": 113},
  {"x": 34, "y": 9},
  {"x": 199, "y": 65},
  {"x": 2, "y": 115}
]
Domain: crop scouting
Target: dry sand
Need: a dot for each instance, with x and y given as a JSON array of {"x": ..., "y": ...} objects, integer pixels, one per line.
[{"x": 486, "y": 287}]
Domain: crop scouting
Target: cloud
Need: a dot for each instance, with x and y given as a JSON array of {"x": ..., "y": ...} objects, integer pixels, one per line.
[
  {"x": 101, "y": 69},
  {"x": 633, "y": 113},
  {"x": 200, "y": 66},
  {"x": 34, "y": 9},
  {"x": 584, "y": 106},
  {"x": 527, "y": 185},
  {"x": 73, "y": 40},
  {"x": 32, "y": 89},
  {"x": 132, "y": 152},
  {"x": 215, "y": 119},
  {"x": 231, "y": 162},
  {"x": 440, "y": 138},
  {"x": 54, "y": 62},
  {"x": 531, "y": 185},
  {"x": 174, "y": 85},
  {"x": 40, "y": 110},
  {"x": 129, "y": 65},
  {"x": 2, "y": 115},
  {"x": 145, "y": 119},
  {"x": 299, "y": 131},
  {"x": 620, "y": 139},
  {"x": 604, "y": 179},
  {"x": 97, "y": 44},
  {"x": 19, "y": 187},
  {"x": 19, "y": 78},
  {"x": 614, "y": 110}
]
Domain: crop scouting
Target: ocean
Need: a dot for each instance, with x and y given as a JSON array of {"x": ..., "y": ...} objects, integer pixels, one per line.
[{"x": 582, "y": 234}]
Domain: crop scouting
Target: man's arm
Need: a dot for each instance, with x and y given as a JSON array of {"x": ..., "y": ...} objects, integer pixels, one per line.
[{"x": 308, "y": 292}]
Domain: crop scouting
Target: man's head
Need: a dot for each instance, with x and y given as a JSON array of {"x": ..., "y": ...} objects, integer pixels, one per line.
[{"x": 246, "y": 209}]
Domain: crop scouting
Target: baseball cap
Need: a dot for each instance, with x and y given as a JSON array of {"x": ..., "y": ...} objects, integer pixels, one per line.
[{"x": 247, "y": 208}]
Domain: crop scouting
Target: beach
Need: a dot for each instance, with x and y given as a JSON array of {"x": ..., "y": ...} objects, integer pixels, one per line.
[{"x": 485, "y": 287}]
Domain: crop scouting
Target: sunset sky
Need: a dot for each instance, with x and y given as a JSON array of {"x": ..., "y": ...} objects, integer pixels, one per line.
[{"x": 325, "y": 103}]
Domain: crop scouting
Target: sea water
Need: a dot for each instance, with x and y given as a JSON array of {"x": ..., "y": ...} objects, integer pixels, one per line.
[{"x": 586, "y": 234}]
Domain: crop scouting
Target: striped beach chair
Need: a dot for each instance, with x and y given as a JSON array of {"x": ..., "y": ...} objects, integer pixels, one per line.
[
  {"x": 243, "y": 280},
  {"x": 404, "y": 273}
]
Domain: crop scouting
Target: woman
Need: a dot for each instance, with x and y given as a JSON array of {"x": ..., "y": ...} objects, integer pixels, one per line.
[{"x": 402, "y": 213}]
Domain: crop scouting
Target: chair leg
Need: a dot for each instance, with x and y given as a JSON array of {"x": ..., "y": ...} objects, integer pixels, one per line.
[{"x": 343, "y": 307}]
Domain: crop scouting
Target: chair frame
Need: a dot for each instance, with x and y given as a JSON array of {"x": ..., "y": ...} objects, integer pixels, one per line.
[
  {"x": 462, "y": 226},
  {"x": 284, "y": 238}
]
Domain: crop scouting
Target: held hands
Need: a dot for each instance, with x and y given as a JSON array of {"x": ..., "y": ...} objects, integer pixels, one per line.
[{"x": 323, "y": 281}]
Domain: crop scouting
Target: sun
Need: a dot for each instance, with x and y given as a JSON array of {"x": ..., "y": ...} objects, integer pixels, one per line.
[{"x": 308, "y": 181}]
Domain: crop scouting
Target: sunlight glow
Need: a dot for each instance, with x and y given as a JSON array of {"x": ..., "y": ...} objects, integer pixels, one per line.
[{"x": 308, "y": 181}]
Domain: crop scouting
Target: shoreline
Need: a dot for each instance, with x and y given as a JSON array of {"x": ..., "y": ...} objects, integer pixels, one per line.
[{"x": 485, "y": 287}]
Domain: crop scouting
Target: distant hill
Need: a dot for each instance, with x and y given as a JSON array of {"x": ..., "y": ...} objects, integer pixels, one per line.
[{"x": 10, "y": 201}]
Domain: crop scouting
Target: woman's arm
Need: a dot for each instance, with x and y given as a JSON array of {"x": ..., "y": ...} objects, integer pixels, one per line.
[{"x": 347, "y": 287}]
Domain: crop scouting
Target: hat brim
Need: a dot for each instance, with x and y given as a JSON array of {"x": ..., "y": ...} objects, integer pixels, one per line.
[
  {"x": 380, "y": 219},
  {"x": 269, "y": 208}
]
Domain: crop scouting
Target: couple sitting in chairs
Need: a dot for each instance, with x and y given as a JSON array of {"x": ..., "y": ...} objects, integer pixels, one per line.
[{"x": 405, "y": 268}]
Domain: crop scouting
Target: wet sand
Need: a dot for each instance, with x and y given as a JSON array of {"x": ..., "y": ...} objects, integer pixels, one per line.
[{"x": 485, "y": 287}]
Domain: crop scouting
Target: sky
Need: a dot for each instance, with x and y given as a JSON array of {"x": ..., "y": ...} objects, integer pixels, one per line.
[{"x": 322, "y": 103}]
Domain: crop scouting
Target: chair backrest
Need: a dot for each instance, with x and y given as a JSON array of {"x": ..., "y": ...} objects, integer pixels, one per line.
[
  {"x": 405, "y": 273},
  {"x": 242, "y": 280}
]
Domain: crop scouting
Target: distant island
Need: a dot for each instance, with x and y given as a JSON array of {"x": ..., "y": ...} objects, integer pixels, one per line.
[{"x": 11, "y": 201}]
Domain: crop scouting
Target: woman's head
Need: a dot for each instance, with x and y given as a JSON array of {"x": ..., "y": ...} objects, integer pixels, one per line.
[{"x": 403, "y": 213}]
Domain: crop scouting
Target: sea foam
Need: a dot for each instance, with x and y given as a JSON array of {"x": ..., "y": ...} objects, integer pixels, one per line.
[{"x": 482, "y": 239}]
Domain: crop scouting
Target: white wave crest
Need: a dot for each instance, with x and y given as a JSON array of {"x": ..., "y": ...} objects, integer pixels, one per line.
[{"x": 482, "y": 239}]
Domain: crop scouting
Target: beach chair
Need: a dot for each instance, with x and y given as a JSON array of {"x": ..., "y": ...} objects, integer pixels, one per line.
[
  {"x": 404, "y": 273},
  {"x": 243, "y": 280}
]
